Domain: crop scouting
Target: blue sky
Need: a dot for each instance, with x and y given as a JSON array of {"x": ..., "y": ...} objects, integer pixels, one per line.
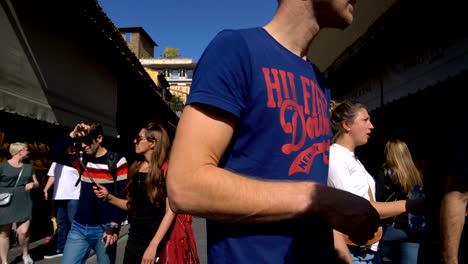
[{"x": 188, "y": 25}]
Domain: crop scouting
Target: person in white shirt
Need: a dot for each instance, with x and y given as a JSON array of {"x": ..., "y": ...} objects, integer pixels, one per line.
[
  {"x": 351, "y": 126},
  {"x": 66, "y": 194}
]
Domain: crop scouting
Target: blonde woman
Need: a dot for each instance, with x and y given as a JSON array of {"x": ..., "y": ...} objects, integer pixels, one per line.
[
  {"x": 18, "y": 178},
  {"x": 394, "y": 180}
]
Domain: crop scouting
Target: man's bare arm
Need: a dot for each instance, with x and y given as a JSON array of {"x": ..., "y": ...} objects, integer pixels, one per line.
[
  {"x": 196, "y": 185},
  {"x": 452, "y": 218}
]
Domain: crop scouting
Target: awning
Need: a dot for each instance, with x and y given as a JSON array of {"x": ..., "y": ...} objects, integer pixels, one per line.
[{"x": 20, "y": 90}]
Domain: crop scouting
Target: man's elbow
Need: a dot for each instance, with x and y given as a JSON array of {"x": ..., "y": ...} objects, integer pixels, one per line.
[{"x": 176, "y": 195}]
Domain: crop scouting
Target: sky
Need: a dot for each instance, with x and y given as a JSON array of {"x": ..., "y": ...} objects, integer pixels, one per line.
[{"x": 188, "y": 25}]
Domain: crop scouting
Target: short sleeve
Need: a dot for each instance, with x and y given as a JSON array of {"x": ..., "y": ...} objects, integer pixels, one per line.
[
  {"x": 221, "y": 77},
  {"x": 51, "y": 172}
]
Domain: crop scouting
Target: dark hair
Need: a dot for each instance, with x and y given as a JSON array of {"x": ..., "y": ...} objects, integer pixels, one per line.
[
  {"x": 346, "y": 111},
  {"x": 155, "y": 186},
  {"x": 95, "y": 129}
]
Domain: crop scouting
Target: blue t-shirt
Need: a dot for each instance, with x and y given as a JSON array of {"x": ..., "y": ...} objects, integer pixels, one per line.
[{"x": 283, "y": 133}]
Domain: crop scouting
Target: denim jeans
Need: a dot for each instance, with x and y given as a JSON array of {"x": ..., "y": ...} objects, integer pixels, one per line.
[
  {"x": 369, "y": 256},
  {"x": 81, "y": 239},
  {"x": 395, "y": 247},
  {"x": 65, "y": 211}
]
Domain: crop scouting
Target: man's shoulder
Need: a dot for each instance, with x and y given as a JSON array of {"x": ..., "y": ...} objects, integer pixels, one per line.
[
  {"x": 114, "y": 155},
  {"x": 232, "y": 36}
]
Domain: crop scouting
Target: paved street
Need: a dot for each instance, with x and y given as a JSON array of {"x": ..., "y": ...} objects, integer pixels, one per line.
[{"x": 39, "y": 248}]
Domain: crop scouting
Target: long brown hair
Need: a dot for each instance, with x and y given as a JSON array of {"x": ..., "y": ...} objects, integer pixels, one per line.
[
  {"x": 155, "y": 179},
  {"x": 398, "y": 159}
]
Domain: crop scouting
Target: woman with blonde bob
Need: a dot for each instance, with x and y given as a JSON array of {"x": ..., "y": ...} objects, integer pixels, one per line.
[
  {"x": 394, "y": 181},
  {"x": 19, "y": 179}
]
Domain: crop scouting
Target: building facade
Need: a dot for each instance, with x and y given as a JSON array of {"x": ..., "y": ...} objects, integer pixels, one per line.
[{"x": 177, "y": 72}]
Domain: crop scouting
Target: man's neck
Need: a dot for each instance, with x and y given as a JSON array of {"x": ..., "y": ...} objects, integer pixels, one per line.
[
  {"x": 101, "y": 151},
  {"x": 294, "y": 28}
]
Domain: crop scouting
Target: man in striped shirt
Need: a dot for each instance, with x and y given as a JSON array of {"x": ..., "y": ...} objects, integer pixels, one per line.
[{"x": 96, "y": 223}]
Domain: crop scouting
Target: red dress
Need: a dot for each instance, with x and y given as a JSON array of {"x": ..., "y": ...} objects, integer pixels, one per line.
[{"x": 180, "y": 248}]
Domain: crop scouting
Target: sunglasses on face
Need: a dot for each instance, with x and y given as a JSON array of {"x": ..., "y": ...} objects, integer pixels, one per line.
[
  {"x": 140, "y": 138},
  {"x": 86, "y": 140}
]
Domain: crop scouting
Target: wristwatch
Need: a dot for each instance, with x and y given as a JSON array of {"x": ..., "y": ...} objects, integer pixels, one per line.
[{"x": 113, "y": 229}]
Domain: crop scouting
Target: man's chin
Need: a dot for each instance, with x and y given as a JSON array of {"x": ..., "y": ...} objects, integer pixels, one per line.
[{"x": 342, "y": 24}]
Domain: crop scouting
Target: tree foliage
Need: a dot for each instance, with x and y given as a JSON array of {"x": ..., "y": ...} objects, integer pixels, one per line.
[
  {"x": 176, "y": 100},
  {"x": 170, "y": 53},
  {"x": 176, "y": 104}
]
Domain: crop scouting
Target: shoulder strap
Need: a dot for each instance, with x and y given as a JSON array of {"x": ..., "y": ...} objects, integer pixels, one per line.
[
  {"x": 164, "y": 168},
  {"x": 19, "y": 175},
  {"x": 112, "y": 163}
]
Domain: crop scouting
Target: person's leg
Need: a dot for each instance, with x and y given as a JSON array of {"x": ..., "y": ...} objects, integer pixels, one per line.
[
  {"x": 72, "y": 206},
  {"x": 4, "y": 242},
  {"x": 104, "y": 255},
  {"x": 62, "y": 224},
  {"x": 452, "y": 218},
  {"x": 409, "y": 253},
  {"x": 77, "y": 247},
  {"x": 134, "y": 251},
  {"x": 368, "y": 257},
  {"x": 22, "y": 231},
  {"x": 389, "y": 245}
]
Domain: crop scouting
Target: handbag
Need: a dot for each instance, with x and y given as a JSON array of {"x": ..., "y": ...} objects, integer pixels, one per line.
[
  {"x": 5, "y": 198},
  {"x": 377, "y": 235}
]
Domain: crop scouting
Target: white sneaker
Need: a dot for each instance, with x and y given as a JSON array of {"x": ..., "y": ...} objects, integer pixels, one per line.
[{"x": 28, "y": 260}]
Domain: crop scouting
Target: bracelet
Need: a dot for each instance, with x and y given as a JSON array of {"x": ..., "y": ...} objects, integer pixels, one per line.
[
  {"x": 106, "y": 198},
  {"x": 113, "y": 230}
]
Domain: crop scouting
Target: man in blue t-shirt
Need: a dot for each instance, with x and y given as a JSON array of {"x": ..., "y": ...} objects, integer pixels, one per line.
[
  {"x": 96, "y": 223},
  {"x": 251, "y": 149}
]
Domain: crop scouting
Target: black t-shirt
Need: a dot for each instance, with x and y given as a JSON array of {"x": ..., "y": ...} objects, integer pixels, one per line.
[
  {"x": 144, "y": 217},
  {"x": 389, "y": 189}
]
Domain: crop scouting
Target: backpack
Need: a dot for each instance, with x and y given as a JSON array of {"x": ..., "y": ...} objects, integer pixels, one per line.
[{"x": 112, "y": 164}]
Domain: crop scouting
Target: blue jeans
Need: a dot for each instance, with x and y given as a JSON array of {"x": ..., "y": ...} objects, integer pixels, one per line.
[
  {"x": 366, "y": 257},
  {"x": 81, "y": 239},
  {"x": 395, "y": 247},
  {"x": 64, "y": 211}
]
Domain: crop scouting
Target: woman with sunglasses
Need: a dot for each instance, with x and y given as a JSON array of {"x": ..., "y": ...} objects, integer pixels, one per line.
[{"x": 150, "y": 216}]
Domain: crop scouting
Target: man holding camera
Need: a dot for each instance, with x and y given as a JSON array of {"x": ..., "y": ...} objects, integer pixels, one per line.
[{"x": 97, "y": 223}]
